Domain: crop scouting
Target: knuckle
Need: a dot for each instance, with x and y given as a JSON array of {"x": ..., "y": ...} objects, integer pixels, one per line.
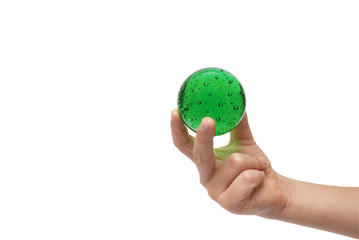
[
  {"x": 231, "y": 204},
  {"x": 227, "y": 204},
  {"x": 224, "y": 202},
  {"x": 247, "y": 177},
  {"x": 196, "y": 157},
  {"x": 212, "y": 194},
  {"x": 235, "y": 160}
]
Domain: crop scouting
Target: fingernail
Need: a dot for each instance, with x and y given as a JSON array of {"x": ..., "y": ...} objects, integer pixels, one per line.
[
  {"x": 204, "y": 126},
  {"x": 263, "y": 161}
]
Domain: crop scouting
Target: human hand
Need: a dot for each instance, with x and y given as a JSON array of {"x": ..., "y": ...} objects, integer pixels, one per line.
[{"x": 238, "y": 176}]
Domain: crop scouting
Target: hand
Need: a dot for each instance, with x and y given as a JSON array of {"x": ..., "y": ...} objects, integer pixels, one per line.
[{"x": 238, "y": 176}]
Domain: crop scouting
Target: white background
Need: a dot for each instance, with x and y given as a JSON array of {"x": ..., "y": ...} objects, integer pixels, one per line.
[{"x": 86, "y": 90}]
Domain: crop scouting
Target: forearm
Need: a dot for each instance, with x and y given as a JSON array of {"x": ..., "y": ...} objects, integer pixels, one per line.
[{"x": 334, "y": 209}]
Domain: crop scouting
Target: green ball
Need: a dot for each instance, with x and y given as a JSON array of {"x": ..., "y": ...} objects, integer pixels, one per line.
[{"x": 215, "y": 93}]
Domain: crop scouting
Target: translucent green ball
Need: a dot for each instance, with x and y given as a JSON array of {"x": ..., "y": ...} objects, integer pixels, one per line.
[{"x": 215, "y": 93}]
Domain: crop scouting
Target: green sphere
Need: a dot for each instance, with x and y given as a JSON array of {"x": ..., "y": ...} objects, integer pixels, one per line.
[{"x": 215, "y": 93}]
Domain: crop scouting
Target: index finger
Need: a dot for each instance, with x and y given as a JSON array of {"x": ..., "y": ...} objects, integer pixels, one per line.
[{"x": 203, "y": 150}]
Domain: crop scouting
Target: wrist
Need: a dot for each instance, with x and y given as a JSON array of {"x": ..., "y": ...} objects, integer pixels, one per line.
[{"x": 287, "y": 189}]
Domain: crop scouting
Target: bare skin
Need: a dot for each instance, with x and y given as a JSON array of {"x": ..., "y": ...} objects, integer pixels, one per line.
[{"x": 240, "y": 178}]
